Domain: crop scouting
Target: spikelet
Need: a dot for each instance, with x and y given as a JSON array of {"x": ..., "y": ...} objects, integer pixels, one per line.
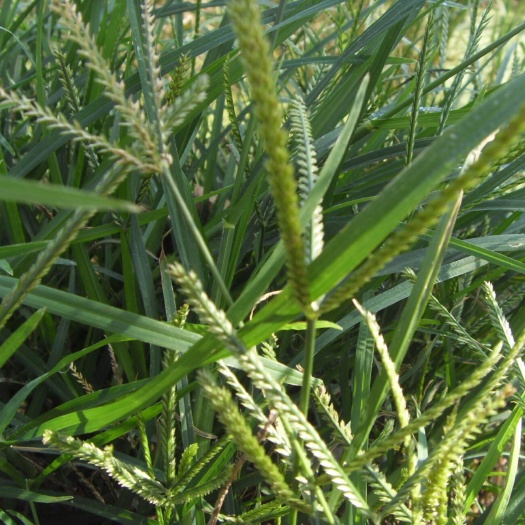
[
  {"x": 73, "y": 99},
  {"x": 458, "y": 497},
  {"x": 306, "y": 160},
  {"x": 167, "y": 426},
  {"x": 385, "y": 492}
]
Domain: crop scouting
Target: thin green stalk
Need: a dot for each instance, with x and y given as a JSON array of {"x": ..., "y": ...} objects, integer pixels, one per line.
[{"x": 309, "y": 353}]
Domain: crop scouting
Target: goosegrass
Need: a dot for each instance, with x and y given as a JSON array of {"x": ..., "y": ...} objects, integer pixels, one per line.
[{"x": 262, "y": 263}]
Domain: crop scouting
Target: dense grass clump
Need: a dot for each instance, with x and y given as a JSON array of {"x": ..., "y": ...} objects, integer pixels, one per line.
[{"x": 262, "y": 263}]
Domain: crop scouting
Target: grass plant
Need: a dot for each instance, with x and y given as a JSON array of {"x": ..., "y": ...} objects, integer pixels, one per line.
[{"x": 262, "y": 263}]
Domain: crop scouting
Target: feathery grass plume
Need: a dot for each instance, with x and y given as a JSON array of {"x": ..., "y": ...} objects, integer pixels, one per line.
[
  {"x": 306, "y": 160},
  {"x": 380, "y": 447},
  {"x": 242, "y": 436},
  {"x": 126, "y": 475},
  {"x": 425, "y": 56},
  {"x": 472, "y": 47},
  {"x": 230, "y": 106},
  {"x": 251, "y": 363},
  {"x": 255, "y": 53},
  {"x": 341, "y": 431},
  {"x": 470, "y": 176}
]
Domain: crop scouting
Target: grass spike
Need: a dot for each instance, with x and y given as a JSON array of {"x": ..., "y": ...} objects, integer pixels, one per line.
[
  {"x": 306, "y": 160},
  {"x": 388, "y": 364},
  {"x": 463, "y": 336},
  {"x": 385, "y": 492},
  {"x": 143, "y": 434},
  {"x": 427, "y": 50},
  {"x": 126, "y": 475},
  {"x": 153, "y": 60},
  {"x": 178, "y": 79},
  {"x": 230, "y": 105},
  {"x": 457, "y": 493},
  {"x": 30, "y": 108},
  {"x": 65, "y": 76},
  {"x": 443, "y": 34},
  {"x": 340, "y": 430},
  {"x": 168, "y": 426},
  {"x": 186, "y": 472},
  {"x": 276, "y": 435},
  {"x": 258, "y": 65},
  {"x": 499, "y": 321},
  {"x": 439, "y": 464}
]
